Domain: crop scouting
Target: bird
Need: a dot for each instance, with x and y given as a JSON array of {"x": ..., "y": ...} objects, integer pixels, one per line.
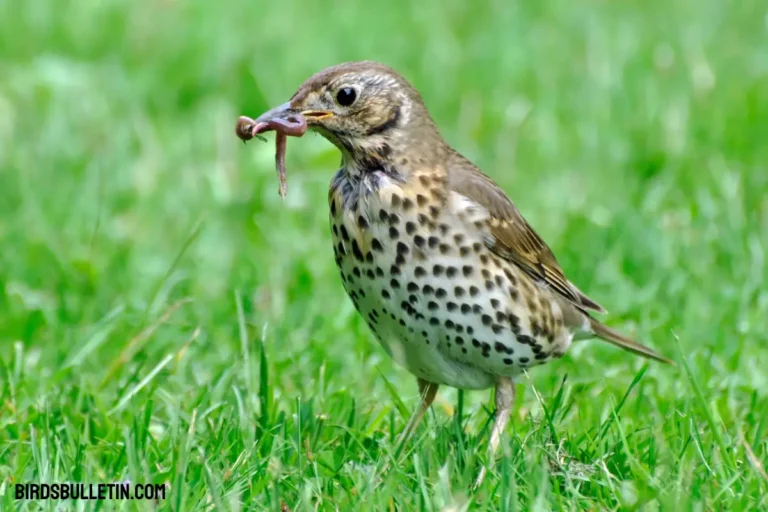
[{"x": 453, "y": 282}]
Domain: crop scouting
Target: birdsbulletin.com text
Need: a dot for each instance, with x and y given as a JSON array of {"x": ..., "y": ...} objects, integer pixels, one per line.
[{"x": 82, "y": 491}]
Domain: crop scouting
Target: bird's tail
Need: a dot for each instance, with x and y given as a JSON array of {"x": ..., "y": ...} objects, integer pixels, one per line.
[{"x": 618, "y": 339}]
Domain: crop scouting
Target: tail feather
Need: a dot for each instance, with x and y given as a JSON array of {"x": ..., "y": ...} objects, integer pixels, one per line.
[
  {"x": 591, "y": 304},
  {"x": 587, "y": 302},
  {"x": 618, "y": 339}
]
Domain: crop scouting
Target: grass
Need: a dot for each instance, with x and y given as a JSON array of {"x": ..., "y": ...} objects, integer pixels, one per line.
[{"x": 165, "y": 318}]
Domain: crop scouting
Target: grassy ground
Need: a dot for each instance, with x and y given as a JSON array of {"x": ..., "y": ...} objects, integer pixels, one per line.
[{"x": 164, "y": 317}]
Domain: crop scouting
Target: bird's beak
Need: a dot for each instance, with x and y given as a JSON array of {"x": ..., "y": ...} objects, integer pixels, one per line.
[
  {"x": 316, "y": 115},
  {"x": 284, "y": 119}
]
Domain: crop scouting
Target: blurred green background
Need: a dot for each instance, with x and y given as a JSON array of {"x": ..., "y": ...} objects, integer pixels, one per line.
[{"x": 165, "y": 317}]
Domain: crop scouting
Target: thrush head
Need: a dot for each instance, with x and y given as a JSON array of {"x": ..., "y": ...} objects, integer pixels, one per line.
[{"x": 366, "y": 109}]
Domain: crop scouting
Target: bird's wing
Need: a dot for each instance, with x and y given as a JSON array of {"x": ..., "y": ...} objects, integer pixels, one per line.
[{"x": 512, "y": 238}]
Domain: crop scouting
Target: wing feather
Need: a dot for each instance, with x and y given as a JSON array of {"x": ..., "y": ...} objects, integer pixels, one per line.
[{"x": 512, "y": 237}]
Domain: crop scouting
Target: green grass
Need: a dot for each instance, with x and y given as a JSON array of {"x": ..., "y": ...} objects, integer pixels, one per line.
[{"x": 165, "y": 318}]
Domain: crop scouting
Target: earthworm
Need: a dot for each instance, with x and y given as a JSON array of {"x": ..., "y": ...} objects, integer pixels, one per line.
[
  {"x": 280, "y": 144},
  {"x": 294, "y": 126}
]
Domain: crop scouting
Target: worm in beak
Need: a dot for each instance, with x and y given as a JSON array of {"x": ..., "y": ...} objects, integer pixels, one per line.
[{"x": 285, "y": 122}]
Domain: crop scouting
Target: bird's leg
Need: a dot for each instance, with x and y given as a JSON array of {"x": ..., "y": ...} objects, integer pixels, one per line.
[
  {"x": 427, "y": 390},
  {"x": 505, "y": 399}
]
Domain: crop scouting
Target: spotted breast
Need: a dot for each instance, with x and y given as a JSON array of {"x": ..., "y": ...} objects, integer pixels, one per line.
[{"x": 415, "y": 261}]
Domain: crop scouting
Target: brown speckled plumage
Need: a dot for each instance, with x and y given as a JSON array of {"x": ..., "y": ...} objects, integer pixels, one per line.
[{"x": 454, "y": 283}]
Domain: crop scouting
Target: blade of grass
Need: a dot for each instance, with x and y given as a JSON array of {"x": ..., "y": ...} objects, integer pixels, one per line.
[
  {"x": 704, "y": 406},
  {"x": 138, "y": 387}
]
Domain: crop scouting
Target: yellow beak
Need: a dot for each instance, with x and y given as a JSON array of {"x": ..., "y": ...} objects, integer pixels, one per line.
[{"x": 317, "y": 114}]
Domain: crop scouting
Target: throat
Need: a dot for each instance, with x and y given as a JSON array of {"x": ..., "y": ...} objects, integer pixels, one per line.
[
  {"x": 363, "y": 176},
  {"x": 371, "y": 164}
]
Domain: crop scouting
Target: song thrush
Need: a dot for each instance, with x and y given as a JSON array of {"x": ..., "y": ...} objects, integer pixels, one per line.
[{"x": 451, "y": 279}]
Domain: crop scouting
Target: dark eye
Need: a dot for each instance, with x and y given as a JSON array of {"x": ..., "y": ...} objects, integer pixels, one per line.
[{"x": 346, "y": 96}]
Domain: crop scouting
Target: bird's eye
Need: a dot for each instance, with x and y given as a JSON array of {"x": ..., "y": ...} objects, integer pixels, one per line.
[{"x": 346, "y": 96}]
